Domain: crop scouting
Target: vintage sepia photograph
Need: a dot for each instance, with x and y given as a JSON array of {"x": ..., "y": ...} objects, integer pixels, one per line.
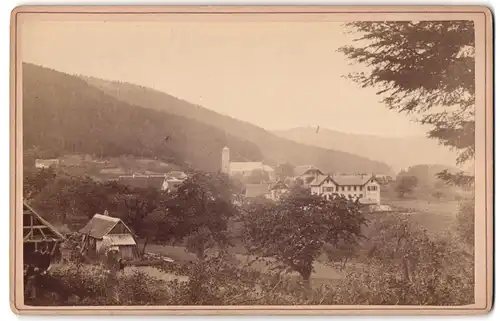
[{"x": 258, "y": 159}]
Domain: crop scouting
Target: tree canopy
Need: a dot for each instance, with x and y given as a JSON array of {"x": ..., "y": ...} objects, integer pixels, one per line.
[
  {"x": 295, "y": 230},
  {"x": 424, "y": 68}
]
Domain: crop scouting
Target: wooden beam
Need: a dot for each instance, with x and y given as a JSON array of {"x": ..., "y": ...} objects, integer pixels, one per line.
[
  {"x": 28, "y": 235},
  {"x": 43, "y": 234},
  {"x": 35, "y": 226},
  {"x": 42, "y": 241}
]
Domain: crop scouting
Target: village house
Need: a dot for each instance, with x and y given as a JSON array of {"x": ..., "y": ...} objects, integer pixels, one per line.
[
  {"x": 106, "y": 231},
  {"x": 278, "y": 190},
  {"x": 244, "y": 168},
  {"x": 306, "y": 174},
  {"x": 272, "y": 191},
  {"x": 165, "y": 182},
  {"x": 363, "y": 187},
  {"x": 47, "y": 163}
]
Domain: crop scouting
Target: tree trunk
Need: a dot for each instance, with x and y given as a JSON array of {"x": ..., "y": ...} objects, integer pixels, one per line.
[
  {"x": 144, "y": 247},
  {"x": 200, "y": 251},
  {"x": 406, "y": 273}
]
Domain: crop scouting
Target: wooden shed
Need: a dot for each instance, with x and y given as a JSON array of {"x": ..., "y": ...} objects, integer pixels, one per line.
[
  {"x": 37, "y": 232},
  {"x": 105, "y": 231}
]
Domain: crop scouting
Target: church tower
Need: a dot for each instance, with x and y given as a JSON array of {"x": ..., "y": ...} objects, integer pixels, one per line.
[{"x": 225, "y": 160}]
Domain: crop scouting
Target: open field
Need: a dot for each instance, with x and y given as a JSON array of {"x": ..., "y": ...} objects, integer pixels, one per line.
[{"x": 434, "y": 216}]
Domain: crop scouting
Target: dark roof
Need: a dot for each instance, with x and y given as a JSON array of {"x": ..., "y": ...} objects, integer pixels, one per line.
[
  {"x": 47, "y": 232},
  {"x": 100, "y": 225},
  {"x": 343, "y": 180},
  {"x": 279, "y": 185},
  {"x": 301, "y": 170},
  {"x": 142, "y": 181}
]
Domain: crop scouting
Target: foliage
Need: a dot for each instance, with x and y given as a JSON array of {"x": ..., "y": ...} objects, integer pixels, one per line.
[
  {"x": 35, "y": 181},
  {"x": 285, "y": 170},
  {"x": 405, "y": 185},
  {"x": 134, "y": 208},
  {"x": 294, "y": 230},
  {"x": 79, "y": 284},
  {"x": 459, "y": 179},
  {"x": 201, "y": 209},
  {"x": 465, "y": 222},
  {"x": 438, "y": 195},
  {"x": 408, "y": 266},
  {"x": 423, "y": 68},
  {"x": 257, "y": 176}
]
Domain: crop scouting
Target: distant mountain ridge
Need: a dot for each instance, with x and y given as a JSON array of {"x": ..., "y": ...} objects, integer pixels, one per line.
[
  {"x": 400, "y": 153},
  {"x": 275, "y": 149}
]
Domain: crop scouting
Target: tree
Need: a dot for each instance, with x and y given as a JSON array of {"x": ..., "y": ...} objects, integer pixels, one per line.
[
  {"x": 35, "y": 181},
  {"x": 423, "y": 68},
  {"x": 202, "y": 207},
  {"x": 406, "y": 185},
  {"x": 409, "y": 266},
  {"x": 465, "y": 222},
  {"x": 294, "y": 231},
  {"x": 438, "y": 195},
  {"x": 284, "y": 170},
  {"x": 257, "y": 176},
  {"x": 136, "y": 206}
]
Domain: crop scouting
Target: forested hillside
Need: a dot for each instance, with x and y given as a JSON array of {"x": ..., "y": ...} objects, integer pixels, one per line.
[
  {"x": 274, "y": 148},
  {"x": 64, "y": 114}
]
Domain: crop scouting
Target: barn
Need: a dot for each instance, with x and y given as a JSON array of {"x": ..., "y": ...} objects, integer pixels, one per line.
[
  {"x": 37, "y": 233},
  {"x": 106, "y": 231}
]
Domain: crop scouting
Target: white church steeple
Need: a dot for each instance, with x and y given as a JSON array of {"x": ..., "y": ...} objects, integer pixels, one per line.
[{"x": 225, "y": 160}]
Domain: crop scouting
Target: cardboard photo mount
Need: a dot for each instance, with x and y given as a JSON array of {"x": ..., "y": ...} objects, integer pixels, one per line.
[{"x": 482, "y": 18}]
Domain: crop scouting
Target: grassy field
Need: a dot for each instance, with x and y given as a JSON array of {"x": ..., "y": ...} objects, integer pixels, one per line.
[{"x": 435, "y": 216}]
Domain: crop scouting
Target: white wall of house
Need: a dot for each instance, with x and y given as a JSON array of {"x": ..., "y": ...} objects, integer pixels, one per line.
[
  {"x": 372, "y": 191},
  {"x": 354, "y": 191}
]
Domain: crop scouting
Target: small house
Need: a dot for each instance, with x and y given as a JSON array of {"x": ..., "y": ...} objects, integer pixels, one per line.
[
  {"x": 106, "y": 231},
  {"x": 278, "y": 190},
  {"x": 47, "y": 163},
  {"x": 157, "y": 182}
]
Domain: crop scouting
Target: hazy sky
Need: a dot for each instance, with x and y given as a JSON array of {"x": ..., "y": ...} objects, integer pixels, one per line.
[{"x": 276, "y": 75}]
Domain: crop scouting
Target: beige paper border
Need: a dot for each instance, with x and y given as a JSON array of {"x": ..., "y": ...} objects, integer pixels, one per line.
[{"x": 483, "y": 163}]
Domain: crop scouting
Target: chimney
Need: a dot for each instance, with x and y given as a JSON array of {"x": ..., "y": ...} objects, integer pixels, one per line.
[{"x": 106, "y": 213}]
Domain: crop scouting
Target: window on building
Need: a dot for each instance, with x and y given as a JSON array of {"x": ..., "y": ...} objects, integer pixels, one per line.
[
  {"x": 343, "y": 188},
  {"x": 327, "y": 189},
  {"x": 360, "y": 195},
  {"x": 372, "y": 188}
]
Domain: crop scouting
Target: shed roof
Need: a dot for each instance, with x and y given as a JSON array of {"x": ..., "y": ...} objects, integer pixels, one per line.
[{"x": 100, "y": 225}]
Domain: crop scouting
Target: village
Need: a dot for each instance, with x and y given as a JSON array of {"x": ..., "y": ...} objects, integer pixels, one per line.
[{"x": 108, "y": 240}]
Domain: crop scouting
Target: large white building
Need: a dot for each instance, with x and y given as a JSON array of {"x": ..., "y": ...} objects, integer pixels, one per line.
[
  {"x": 243, "y": 168},
  {"x": 362, "y": 187}
]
